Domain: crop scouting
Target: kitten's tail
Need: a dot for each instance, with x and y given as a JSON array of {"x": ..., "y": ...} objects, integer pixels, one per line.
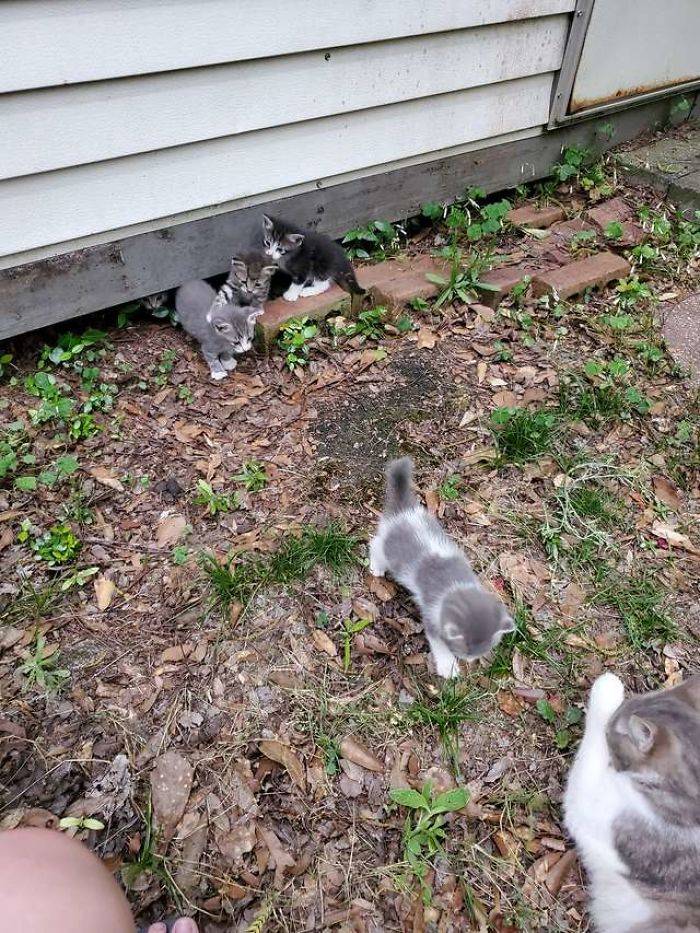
[
  {"x": 348, "y": 282},
  {"x": 398, "y": 496}
]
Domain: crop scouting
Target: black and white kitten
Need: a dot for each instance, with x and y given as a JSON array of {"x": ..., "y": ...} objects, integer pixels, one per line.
[
  {"x": 220, "y": 331},
  {"x": 632, "y": 805},
  {"x": 248, "y": 282},
  {"x": 461, "y": 618},
  {"x": 312, "y": 260}
]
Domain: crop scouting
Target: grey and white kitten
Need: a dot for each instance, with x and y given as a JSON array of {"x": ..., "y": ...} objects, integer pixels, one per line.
[
  {"x": 312, "y": 260},
  {"x": 632, "y": 805},
  {"x": 248, "y": 282},
  {"x": 461, "y": 618},
  {"x": 221, "y": 331}
]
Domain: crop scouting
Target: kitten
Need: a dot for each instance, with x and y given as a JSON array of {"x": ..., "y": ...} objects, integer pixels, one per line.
[
  {"x": 461, "y": 618},
  {"x": 312, "y": 260},
  {"x": 632, "y": 805},
  {"x": 220, "y": 331},
  {"x": 248, "y": 281}
]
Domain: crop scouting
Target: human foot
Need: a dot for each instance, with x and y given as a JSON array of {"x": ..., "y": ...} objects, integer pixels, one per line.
[{"x": 182, "y": 925}]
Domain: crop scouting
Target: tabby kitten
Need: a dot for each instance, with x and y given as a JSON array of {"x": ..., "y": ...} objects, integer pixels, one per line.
[
  {"x": 632, "y": 805},
  {"x": 221, "y": 331},
  {"x": 461, "y": 618},
  {"x": 248, "y": 282},
  {"x": 312, "y": 260}
]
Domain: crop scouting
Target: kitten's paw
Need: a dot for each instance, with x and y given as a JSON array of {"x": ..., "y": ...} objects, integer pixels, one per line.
[
  {"x": 228, "y": 363},
  {"x": 376, "y": 570},
  {"x": 218, "y": 374},
  {"x": 290, "y": 295},
  {"x": 607, "y": 694}
]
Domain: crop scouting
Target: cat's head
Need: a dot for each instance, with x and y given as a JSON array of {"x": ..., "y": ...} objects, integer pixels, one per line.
[
  {"x": 250, "y": 277},
  {"x": 655, "y": 738},
  {"x": 473, "y": 621},
  {"x": 235, "y": 325},
  {"x": 279, "y": 241}
]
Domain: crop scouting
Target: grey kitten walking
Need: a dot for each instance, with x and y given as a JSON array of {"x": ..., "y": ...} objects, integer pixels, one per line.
[
  {"x": 632, "y": 806},
  {"x": 220, "y": 331},
  {"x": 461, "y": 618}
]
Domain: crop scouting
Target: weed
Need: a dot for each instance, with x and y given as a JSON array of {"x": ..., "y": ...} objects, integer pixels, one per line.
[
  {"x": 562, "y": 727},
  {"x": 164, "y": 367},
  {"x": 582, "y": 243},
  {"x": 433, "y": 210},
  {"x": 216, "y": 503},
  {"x": 478, "y": 220},
  {"x": 40, "y": 668},
  {"x": 614, "y": 230},
  {"x": 464, "y": 281},
  {"x": 602, "y": 394},
  {"x": 71, "y": 347},
  {"x": 5, "y": 360},
  {"x": 252, "y": 476},
  {"x": 369, "y": 324},
  {"x": 538, "y": 644},
  {"x": 447, "y": 711},
  {"x": 580, "y": 164},
  {"x": 293, "y": 340},
  {"x": 350, "y": 629},
  {"x": 56, "y": 546},
  {"x": 522, "y": 435},
  {"x": 631, "y": 291},
  {"x": 180, "y": 554},
  {"x": 503, "y": 354},
  {"x": 449, "y": 489},
  {"x": 81, "y": 426},
  {"x": 150, "y": 862},
  {"x": 419, "y": 304},
  {"x": 184, "y": 394},
  {"x": 79, "y": 823},
  {"x": 638, "y": 599},
  {"x": 424, "y": 832},
  {"x": 375, "y": 240}
]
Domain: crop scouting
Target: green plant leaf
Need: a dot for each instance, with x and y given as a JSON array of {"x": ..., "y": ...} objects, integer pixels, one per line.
[
  {"x": 26, "y": 483},
  {"x": 69, "y": 822},
  {"x": 450, "y": 800},
  {"x": 409, "y": 798},
  {"x": 90, "y": 823},
  {"x": 546, "y": 711}
]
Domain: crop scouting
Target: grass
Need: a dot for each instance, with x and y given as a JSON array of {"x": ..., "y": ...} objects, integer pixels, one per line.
[
  {"x": 523, "y": 435},
  {"x": 235, "y": 580},
  {"x": 639, "y": 601},
  {"x": 541, "y": 645},
  {"x": 40, "y": 670},
  {"x": 252, "y": 476},
  {"x": 454, "y": 705}
]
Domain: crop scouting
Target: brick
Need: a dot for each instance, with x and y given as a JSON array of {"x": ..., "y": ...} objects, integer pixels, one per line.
[
  {"x": 575, "y": 277},
  {"x": 536, "y": 217},
  {"x": 316, "y": 307},
  {"x": 505, "y": 279},
  {"x": 617, "y": 210},
  {"x": 564, "y": 232},
  {"x": 396, "y": 281}
]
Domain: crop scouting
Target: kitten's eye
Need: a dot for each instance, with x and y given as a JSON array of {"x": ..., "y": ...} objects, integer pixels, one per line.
[{"x": 222, "y": 327}]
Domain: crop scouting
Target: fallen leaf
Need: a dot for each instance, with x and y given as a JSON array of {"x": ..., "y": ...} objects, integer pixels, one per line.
[
  {"x": 381, "y": 588},
  {"x": 509, "y": 704},
  {"x": 666, "y": 492},
  {"x": 104, "y": 590},
  {"x": 558, "y": 873},
  {"x": 238, "y": 841},
  {"x": 187, "y": 431},
  {"x": 176, "y": 653},
  {"x": 171, "y": 780},
  {"x": 359, "y": 755},
  {"x": 349, "y": 787},
  {"x": 432, "y": 501},
  {"x": 674, "y": 538},
  {"x": 481, "y": 370},
  {"x": 106, "y": 477},
  {"x": 283, "y": 754},
  {"x": 324, "y": 643},
  {"x": 571, "y": 600},
  {"x": 188, "y": 875},
  {"x": 279, "y": 855},
  {"x": 170, "y": 529},
  {"x": 6, "y": 538},
  {"x": 481, "y": 453},
  {"x": 426, "y": 339}
]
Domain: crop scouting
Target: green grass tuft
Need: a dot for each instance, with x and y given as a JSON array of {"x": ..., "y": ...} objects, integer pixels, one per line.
[
  {"x": 523, "y": 435},
  {"x": 639, "y": 600},
  {"x": 454, "y": 705}
]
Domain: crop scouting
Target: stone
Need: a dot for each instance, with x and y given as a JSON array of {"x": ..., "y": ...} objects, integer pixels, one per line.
[
  {"x": 536, "y": 217},
  {"x": 575, "y": 277},
  {"x": 669, "y": 165},
  {"x": 316, "y": 307},
  {"x": 616, "y": 210},
  {"x": 681, "y": 330},
  {"x": 395, "y": 282},
  {"x": 564, "y": 232}
]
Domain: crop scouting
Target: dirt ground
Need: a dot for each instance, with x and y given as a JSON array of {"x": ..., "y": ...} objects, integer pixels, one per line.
[{"x": 233, "y": 751}]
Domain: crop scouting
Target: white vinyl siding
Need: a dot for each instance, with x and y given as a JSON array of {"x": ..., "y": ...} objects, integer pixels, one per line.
[{"x": 120, "y": 113}]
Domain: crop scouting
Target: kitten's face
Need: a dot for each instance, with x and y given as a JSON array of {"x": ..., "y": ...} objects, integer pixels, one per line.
[
  {"x": 277, "y": 243},
  {"x": 250, "y": 276},
  {"x": 473, "y": 622},
  {"x": 656, "y": 738},
  {"x": 235, "y": 325}
]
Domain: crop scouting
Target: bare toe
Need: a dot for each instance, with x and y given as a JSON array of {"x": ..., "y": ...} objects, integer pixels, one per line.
[
  {"x": 157, "y": 928},
  {"x": 185, "y": 925}
]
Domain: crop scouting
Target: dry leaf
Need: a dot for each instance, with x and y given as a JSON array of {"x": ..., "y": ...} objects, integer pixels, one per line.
[
  {"x": 674, "y": 538},
  {"x": 106, "y": 477},
  {"x": 359, "y": 755},
  {"x": 349, "y": 787},
  {"x": 426, "y": 339},
  {"x": 571, "y": 600},
  {"x": 481, "y": 370},
  {"x": 186, "y": 431},
  {"x": 176, "y": 653},
  {"x": 171, "y": 780},
  {"x": 509, "y": 704},
  {"x": 280, "y": 856},
  {"x": 381, "y": 588},
  {"x": 481, "y": 453},
  {"x": 559, "y": 872},
  {"x": 432, "y": 501},
  {"x": 324, "y": 643},
  {"x": 104, "y": 590},
  {"x": 170, "y": 529},
  {"x": 283, "y": 754},
  {"x": 666, "y": 492}
]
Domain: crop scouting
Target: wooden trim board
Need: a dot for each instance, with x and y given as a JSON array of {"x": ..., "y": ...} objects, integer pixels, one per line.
[{"x": 76, "y": 283}]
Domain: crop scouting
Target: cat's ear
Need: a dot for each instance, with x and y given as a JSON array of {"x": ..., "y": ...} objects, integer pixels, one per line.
[
  {"x": 295, "y": 239},
  {"x": 642, "y": 732},
  {"x": 268, "y": 271},
  {"x": 239, "y": 267},
  {"x": 267, "y": 223}
]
